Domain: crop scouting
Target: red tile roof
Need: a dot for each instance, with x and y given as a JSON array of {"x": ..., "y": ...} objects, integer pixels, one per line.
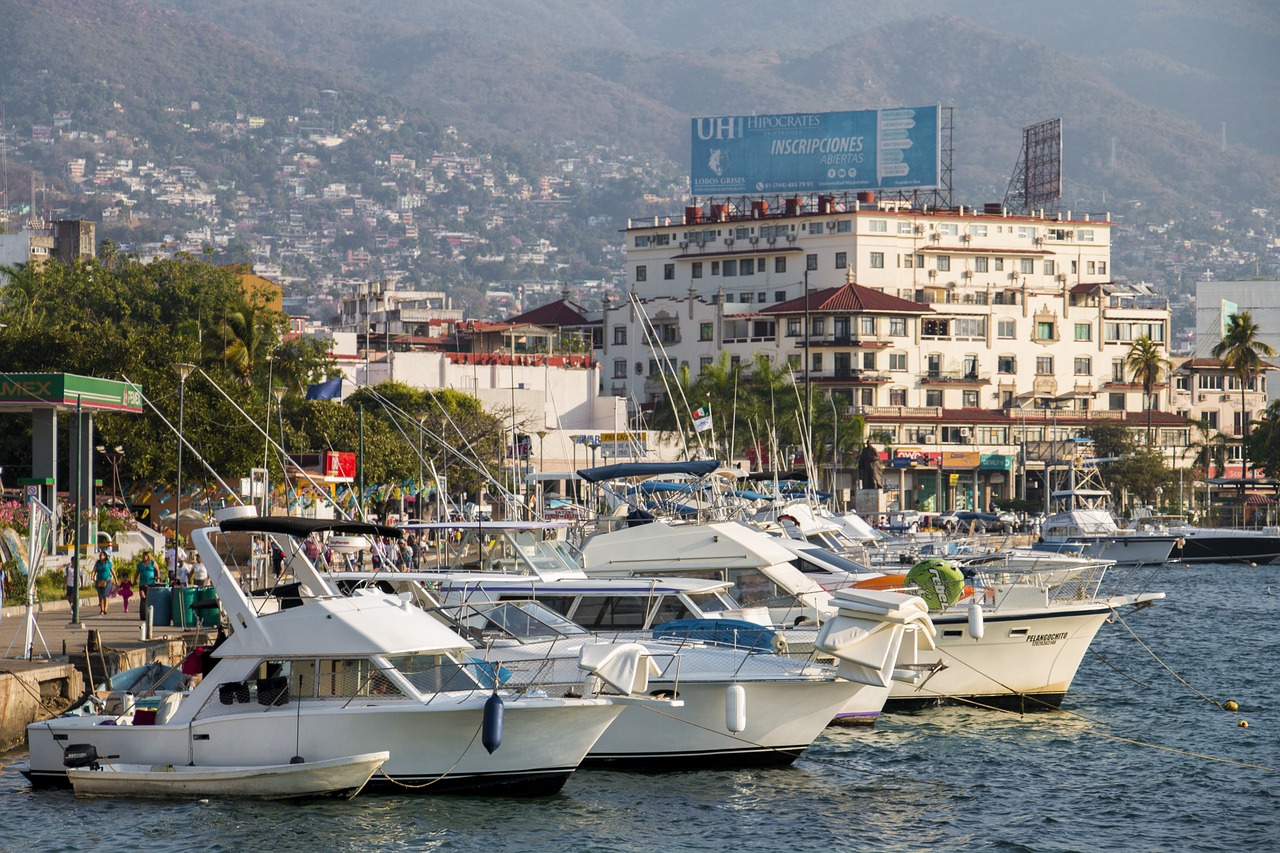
[
  {"x": 849, "y": 297},
  {"x": 560, "y": 313}
]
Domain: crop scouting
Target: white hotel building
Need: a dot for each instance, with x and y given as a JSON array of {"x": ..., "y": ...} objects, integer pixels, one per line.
[{"x": 962, "y": 336}]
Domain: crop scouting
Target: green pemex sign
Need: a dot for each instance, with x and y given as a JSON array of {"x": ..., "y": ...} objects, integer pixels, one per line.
[{"x": 26, "y": 391}]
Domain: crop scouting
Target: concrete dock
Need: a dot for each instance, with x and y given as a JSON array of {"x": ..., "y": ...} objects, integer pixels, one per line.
[{"x": 67, "y": 657}]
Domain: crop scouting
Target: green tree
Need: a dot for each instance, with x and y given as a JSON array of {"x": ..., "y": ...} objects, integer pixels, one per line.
[
  {"x": 248, "y": 329},
  {"x": 1241, "y": 352},
  {"x": 1145, "y": 362},
  {"x": 1264, "y": 442}
]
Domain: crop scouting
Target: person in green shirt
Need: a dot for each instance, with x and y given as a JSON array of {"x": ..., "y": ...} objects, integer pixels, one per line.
[
  {"x": 103, "y": 576},
  {"x": 148, "y": 574}
]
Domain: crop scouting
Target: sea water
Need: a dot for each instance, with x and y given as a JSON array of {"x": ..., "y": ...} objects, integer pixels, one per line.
[{"x": 1136, "y": 760}]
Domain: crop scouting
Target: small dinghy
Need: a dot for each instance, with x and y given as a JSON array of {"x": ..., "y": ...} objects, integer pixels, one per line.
[{"x": 92, "y": 775}]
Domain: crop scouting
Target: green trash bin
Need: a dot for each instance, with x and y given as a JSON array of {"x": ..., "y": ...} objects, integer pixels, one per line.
[
  {"x": 183, "y": 598},
  {"x": 208, "y": 616},
  {"x": 160, "y": 603}
]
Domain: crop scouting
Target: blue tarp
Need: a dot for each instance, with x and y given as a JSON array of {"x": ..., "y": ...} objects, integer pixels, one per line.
[{"x": 721, "y": 632}]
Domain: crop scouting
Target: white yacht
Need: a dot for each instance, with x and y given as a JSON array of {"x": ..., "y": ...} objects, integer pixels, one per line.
[
  {"x": 337, "y": 676},
  {"x": 1016, "y": 639},
  {"x": 1086, "y": 521}
]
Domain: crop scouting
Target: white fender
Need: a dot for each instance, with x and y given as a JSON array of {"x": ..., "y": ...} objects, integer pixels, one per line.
[
  {"x": 975, "y": 620},
  {"x": 735, "y": 708}
]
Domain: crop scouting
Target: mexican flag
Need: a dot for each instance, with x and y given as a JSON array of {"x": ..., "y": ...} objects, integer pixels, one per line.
[{"x": 702, "y": 418}]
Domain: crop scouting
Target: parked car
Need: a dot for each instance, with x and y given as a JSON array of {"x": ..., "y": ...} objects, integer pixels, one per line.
[{"x": 978, "y": 522}]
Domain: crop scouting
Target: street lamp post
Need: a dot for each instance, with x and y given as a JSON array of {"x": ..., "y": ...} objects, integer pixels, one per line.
[
  {"x": 417, "y": 500},
  {"x": 113, "y": 455},
  {"x": 183, "y": 370},
  {"x": 277, "y": 391}
]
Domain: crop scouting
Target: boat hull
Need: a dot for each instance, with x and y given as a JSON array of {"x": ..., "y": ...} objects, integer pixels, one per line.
[
  {"x": 782, "y": 719},
  {"x": 1025, "y": 660},
  {"x": 338, "y": 777},
  {"x": 433, "y": 748},
  {"x": 1221, "y": 548}
]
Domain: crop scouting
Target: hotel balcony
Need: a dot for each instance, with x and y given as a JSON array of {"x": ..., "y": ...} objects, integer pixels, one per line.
[{"x": 955, "y": 377}]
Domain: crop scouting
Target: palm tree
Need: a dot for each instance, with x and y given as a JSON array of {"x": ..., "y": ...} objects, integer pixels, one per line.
[
  {"x": 1241, "y": 352},
  {"x": 1146, "y": 363},
  {"x": 245, "y": 330}
]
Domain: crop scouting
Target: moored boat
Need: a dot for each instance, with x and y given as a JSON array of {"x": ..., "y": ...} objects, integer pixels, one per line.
[{"x": 343, "y": 777}]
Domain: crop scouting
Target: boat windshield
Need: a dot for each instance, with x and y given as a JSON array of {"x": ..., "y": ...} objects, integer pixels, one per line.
[
  {"x": 526, "y": 621},
  {"x": 433, "y": 673},
  {"x": 712, "y": 602}
]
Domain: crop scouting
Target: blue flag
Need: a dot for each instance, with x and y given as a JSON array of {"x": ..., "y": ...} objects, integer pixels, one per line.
[{"x": 330, "y": 389}]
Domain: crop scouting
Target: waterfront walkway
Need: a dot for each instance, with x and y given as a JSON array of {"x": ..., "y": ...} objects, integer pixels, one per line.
[{"x": 67, "y": 657}]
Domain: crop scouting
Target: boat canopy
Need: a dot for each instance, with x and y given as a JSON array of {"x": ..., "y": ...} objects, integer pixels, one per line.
[
  {"x": 696, "y": 468},
  {"x": 302, "y": 527}
]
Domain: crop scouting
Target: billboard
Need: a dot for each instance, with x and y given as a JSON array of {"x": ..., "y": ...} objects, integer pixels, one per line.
[{"x": 895, "y": 149}]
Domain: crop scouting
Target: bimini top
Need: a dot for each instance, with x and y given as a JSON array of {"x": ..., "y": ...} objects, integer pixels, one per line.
[
  {"x": 302, "y": 527},
  {"x": 696, "y": 468}
]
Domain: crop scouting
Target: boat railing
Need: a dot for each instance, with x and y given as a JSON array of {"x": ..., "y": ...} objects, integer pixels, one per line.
[{"x": 1074, "y": 583}]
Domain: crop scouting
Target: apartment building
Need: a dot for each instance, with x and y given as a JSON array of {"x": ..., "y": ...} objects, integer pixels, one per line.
[{"x": 963, "y": 336}]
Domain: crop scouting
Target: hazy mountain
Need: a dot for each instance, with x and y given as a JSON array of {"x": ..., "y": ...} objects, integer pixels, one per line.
[
  {"x": 1156, "y": 76},
  {"x": 1125, "y": 77}
]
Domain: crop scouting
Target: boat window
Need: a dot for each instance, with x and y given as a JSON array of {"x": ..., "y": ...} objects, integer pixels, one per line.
[
  {"x": 530, "y": 621},
  {"x": 612, "y": 612},
  {"x": 433, "y": 673},
  {"x": 751, "y": 586},
  {"x": 669, "y": 608},
  {"x": 559, "y": 604},
  {"x": 834, "y": 561},
  {"x": 711, "y": 602},
  {"x": 322, "y": 678}
]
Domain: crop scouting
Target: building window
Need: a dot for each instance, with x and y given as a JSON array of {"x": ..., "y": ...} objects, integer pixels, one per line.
[
  {"x": 704, "y": 331},
  {"x": 619, "y": 335},
  {"x": 1102, "y": 267},
  {"x": 1050, "y": 266},
  {"x": 810, "y": 262},
  {"x": 867, "y": 396},
  {"x": 933, "y": 397},
  {"x": 779, "y": 296},
  {"x": 1045, "y": 330},
  {"x": 842, "y": 260},
  {"x": 779, "y": 264},
  {"x": 1210, "y": 419},
  {"x": 951, "y": 229},
  {"x": 747, "y": 266},
  {"x": 1027, "y": 266},
  {"x": 897, "y": 361},
  {"x": 897, "y": 396},
  {"x": 878, "y": 226},
  {"x": 1006, "y": 328},
  {"x": 730, "y": 269},
  {"x": 1084, "y": 331},
  {"x": 866, "y": 325},
  {"x": 969, "y": 399},
  {"x": 793, "y": 360},
  {"x": 978, "y": 230},
  {"x": 703, "y": 363},
  {"x": 620, "y": 368},
  {"x": 642, "y": 273},
  {"x": 697, "y": 269},
  {"x": 844, "y": 226},
  {"x": 747, "y": 297},
  {"x": 794, "y": 327},
  {"x": 761, "y": 266},
  {"x": 639, "y": 368},
  {"x": 1044, "y": 365},
  {"x": 980, "y": 264},
  {"x": 898, "y": 326},
  {"x": 817, "y": 361},
  {"x": 1006, "y": 364},
  {"x": 1115, "y": 402},
  {"x": 668, "y": 272},
  {"x": 715, "y": 268},
  {"x": 997, "y": 264},
  {"x": 1090, "y": 267},
  {"x": 868, "y": 361},
  {"x": 1085, "y": 235},
  {"x": 944, "y": 263},
  {"x": 877, "y": 260},
  {"x": 1084, "y": 365}
]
